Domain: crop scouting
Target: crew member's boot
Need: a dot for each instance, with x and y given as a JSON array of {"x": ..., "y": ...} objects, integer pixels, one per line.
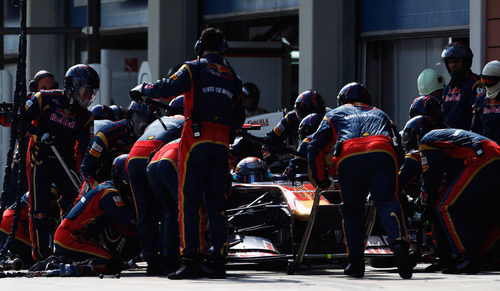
[
  {"x": 189, "y": 269},
  {"x": 403, "y": 261},
  {"x": 355, "y": 268}
]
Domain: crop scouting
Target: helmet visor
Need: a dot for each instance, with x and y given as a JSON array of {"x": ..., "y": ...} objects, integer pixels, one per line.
[
  {"x": 87, "y": 95},
  {"x": 251, "y": 178},
  {"x": 489, "y": 81}
]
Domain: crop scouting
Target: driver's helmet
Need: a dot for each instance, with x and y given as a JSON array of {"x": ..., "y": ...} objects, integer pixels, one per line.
[{"x": 252, "y": 169}]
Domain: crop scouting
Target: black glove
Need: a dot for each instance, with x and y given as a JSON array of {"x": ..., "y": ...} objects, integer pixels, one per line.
[
  {"x": 136, "y": 93},
  {"x": 47, "y": 138}
]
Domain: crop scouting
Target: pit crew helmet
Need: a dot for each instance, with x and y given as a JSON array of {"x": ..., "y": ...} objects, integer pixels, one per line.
[
  {"x": 139, "y": 115},
  {"x": 309, "y": 125},
  {"x": 457, "y": 50},
  {"x": 308, "y": 102},
  {"x": 429, "y": 81},
  {"x": 427, "y": 105},
  {"x": 118, "y": 112},
  {"x": 250, "y": 170},
  {"x": 414, "y": 130},
  {"x": 177, "y": 105},
  {"x": 490, "y": 77},
  {"x": 120, "y": 176},
  {"x": 82, "y": 83},
  {"x": 101, "y": 111},
  {"x": 354, "y": 92}
]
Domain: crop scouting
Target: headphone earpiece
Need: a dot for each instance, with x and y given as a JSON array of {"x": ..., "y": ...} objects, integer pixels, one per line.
[
  {"x": 223, "y": 47},
  {"x": 198, "y": 47},
  {"x": 32, "y": 86}
]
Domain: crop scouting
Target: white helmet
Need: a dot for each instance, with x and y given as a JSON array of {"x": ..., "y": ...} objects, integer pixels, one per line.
[
  {"x": 490, "y": 78},
  {"x": 429, "y": 81}
]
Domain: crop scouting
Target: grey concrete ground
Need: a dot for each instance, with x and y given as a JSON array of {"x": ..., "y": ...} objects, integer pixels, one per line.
[{"x": 241, "y": 280}]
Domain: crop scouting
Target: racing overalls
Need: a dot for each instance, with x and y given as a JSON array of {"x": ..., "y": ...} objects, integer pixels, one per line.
[
  {"x": 162, "y": 175},
  {"x": 487, "y": 117},
  {"x": 203, "y": 159},
  {"x": 77, "y": 237},
  {"x": 361, "y": 138},
  {"x": 459, "y": 182},
  {"x": 458, "y": 101},
  {"x": 111, "y": 140},
  {"x": 147, "y": 208},
  {"x": 70, "y": 124}
]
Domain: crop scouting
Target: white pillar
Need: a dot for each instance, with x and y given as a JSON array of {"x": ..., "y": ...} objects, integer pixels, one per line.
[
  {"x": 172, "y": 32},
  {"x": 477, "y": 33},
  {"x": 318, "y": 46}
]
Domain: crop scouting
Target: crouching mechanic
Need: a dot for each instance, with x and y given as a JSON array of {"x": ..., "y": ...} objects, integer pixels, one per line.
[
  {"x": 80, "y": 235},
  {"x": 458, "y": 185},
  {"x": 62, "y": 120},
  {"x": 112, "y": 140},
  {"x": 361, "y": 136},
  {"x": 21, "y": 245}
]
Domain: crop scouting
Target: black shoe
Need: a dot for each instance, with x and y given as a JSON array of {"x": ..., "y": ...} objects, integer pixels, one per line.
[
  {"x": 403, "y": 260},
  {"x": 190, "y": 269},
  {"x": 438, "y": 265},
  {"x": 469, "y": 266},
  {"x": 214, "y": 269},
  {"x": 170, "y": 264},
  {"x": 355, "y": 268}
]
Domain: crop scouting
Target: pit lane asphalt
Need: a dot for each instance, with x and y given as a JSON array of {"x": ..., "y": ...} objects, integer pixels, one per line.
[{"x": 241, "y": 280}]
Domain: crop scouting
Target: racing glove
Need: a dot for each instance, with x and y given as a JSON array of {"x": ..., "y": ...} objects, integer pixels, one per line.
[
  {"x": 136, "y": 93},
  {"x": 47, "y": 139}
]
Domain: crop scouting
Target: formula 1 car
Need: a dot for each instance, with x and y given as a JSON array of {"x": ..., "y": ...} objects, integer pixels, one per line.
[{"x": 268, "y": 220}]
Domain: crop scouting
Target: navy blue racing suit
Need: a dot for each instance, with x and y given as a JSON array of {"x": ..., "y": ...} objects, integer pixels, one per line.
[
  {"x": 361, "y": 136},
  {"x": 69, "y": 124},
  {"x": 203, "y": 163},
  {"x": 458, "y": 184},
  {"x": 487, "y": 117},
  {"x": 147, "y": 208},
  {"x": 458, "y": 101}
]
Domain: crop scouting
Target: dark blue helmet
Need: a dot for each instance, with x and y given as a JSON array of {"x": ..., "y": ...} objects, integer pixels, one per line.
[
  {"x": 414, "y": 130},
  {"x": 177, "y": 105},
  {"x": 457, "y": 50},
  {"x": 309, "y": 125},
  {"x": 139, "y": 115},
  {"x": 81, "y": 83},
  {"x": 428, "y": 106},
  {"x": 101, "y": 111},
  {"x": 252, "y": 169},
  {"x": 308, "y": 102},
  {"x": 118, "y": 112},
  {"x": 354, "y": 92},
  {"x": 118, "y": 171}
]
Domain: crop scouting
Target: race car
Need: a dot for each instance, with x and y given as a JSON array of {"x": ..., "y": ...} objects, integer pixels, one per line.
[{"x": 268, "y": 219}]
